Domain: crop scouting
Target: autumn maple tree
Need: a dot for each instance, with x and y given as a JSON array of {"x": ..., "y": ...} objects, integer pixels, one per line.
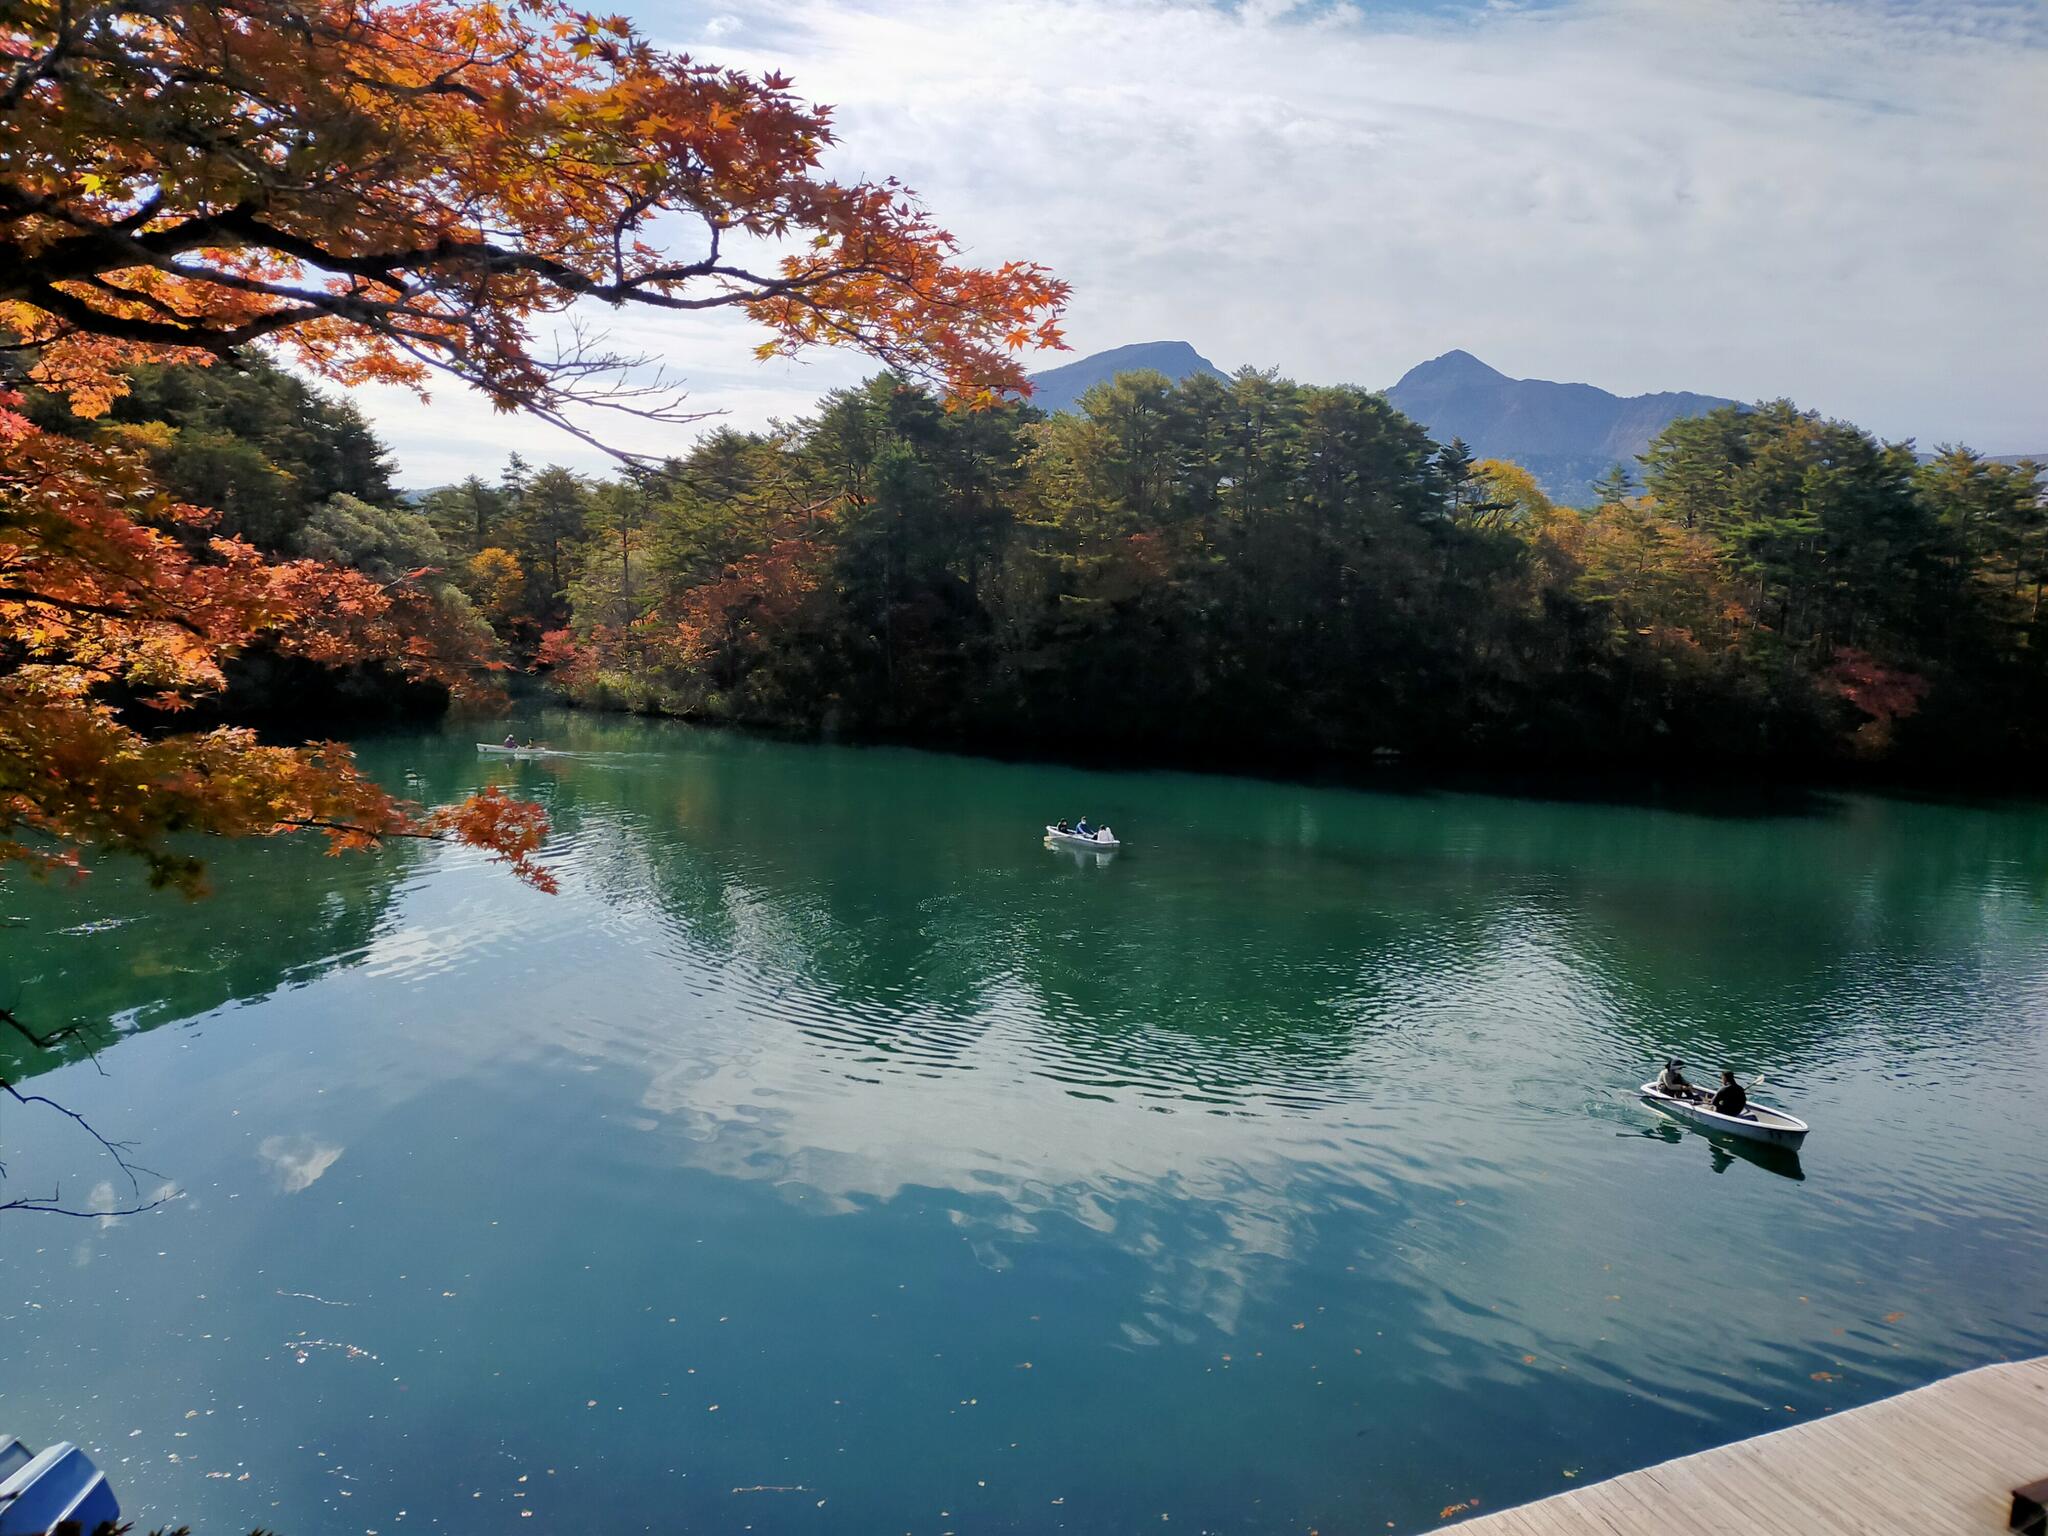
[{"x": 375, "y": 190}]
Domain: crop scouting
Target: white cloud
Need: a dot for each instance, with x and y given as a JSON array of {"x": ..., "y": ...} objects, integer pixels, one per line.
[{"x": 1844, "y": 202}]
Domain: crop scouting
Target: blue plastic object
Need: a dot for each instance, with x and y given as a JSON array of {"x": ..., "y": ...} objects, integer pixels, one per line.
[{"x": 42, "y": 1490}]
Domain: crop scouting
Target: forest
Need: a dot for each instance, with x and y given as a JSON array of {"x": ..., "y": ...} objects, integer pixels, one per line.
[
  {"x": 1266, "y": 575},
  {"x": 1254, "y": 574}
]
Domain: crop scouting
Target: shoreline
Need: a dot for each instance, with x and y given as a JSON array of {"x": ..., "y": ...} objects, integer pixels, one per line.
[{"x": 1711, "y": 788}]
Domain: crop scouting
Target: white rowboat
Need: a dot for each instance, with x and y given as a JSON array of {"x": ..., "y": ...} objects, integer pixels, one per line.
[
  {"x": 489, "y": 749},
  {"x": 1758, "y": 1122},
  {"x": 1102, "y": 838}
]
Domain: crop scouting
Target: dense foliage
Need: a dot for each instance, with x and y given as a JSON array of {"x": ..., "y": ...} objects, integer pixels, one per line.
[
  {"x": 298, "y": 476},
  {"x": 381, "y": 189},
  {"x": 1260, "y": 573}
]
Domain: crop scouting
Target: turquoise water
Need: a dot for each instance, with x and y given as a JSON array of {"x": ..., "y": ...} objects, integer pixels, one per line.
[{"x": 831, "y": 1155}]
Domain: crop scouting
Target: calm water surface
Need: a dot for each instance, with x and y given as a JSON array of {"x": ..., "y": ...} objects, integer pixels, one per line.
[{"x": 831, "y": 1156}]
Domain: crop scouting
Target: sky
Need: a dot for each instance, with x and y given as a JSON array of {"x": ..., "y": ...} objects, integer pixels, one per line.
[{"x": 1840, "y": 201}]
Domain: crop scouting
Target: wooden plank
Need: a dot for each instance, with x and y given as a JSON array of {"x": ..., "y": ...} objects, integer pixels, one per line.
[
  {"x": 1872, "y": 1465},
  {"x": 1645, "y": 1499},
  {"x": 1721, "y": 1494},
  {"x": 1940, "y": 1461},
  {"x": 1995, "y": 1416},
  {"x": 1966, "y": 1442},
  {"x": 1612, "y": 1511}
]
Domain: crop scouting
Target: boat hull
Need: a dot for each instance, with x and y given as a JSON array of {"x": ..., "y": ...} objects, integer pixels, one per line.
[
  {"x": 1761, "y": 1123},
  {"x": 1076, "y": 840},
  {"x": 485, "y": 749}
]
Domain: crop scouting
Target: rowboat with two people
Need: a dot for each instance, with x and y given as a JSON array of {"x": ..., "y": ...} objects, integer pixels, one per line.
[
  {"x": 1729, "y": 1110},
  {"x": 1081, "y": 834},
  {"x": 512, "y": 746}
]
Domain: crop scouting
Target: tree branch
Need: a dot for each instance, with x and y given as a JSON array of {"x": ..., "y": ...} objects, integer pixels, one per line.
[
  {"x": 47, "y": 1042},
  {"x": 117, "y": 1150}
]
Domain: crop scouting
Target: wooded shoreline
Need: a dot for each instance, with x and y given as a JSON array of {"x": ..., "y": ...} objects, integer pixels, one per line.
[{"x": 1250, "y": 577}]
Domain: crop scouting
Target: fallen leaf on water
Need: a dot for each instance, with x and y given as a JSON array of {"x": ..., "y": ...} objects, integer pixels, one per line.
[{"x": 1825, "y": 1376}]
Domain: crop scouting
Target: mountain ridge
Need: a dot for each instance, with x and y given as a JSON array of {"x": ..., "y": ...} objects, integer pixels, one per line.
[{"x": 1566, "y": 435}]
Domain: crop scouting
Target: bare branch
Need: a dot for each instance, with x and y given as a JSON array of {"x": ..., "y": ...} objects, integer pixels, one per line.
[
  {"x": 117, "y": 1150},
  {"x": 47, "y": 1042},
  {"x": 49, "y": 1206}
]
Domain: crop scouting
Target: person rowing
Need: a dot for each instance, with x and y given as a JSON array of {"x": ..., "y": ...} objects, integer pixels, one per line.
[
  {"x": 511, "y": 742},
  {"x": 1729, "y": 1098}
]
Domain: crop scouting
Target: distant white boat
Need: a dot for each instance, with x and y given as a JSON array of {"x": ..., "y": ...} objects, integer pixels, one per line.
[
  {"x": 492, "y": 749},
  {"x": 1758, "y": 1122},
  {"x": 57, "y": 1486},
  {"x": 1101, "y": 838}
]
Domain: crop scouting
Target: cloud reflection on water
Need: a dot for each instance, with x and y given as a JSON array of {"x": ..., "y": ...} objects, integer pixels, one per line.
[{"x": 298, "y": 1162}]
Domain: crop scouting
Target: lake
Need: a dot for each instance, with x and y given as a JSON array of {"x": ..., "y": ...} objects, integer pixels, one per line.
[{"x": 831, "y": 1155}]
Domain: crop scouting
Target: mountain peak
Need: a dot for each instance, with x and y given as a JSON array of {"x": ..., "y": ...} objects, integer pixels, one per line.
[
  {"x": 1453, "y": 368},
  {"x": 1059, "y": 389}
]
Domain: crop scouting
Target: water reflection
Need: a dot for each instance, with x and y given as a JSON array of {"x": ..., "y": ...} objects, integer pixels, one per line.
[
  {"x": 110, "y": 956},
  {"x": 1723, "y": 1152},
  {"x": 1297, "y": 1154},
  {"x": 1781, "y": 1161},
  {"x": 1082, "y": 858}
]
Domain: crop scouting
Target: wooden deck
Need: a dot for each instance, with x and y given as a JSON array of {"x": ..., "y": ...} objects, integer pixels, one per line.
[{"x": 1941, "y": 1461}]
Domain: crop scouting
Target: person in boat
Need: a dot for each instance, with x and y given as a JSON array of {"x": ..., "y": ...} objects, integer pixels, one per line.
[
  {"x": 1064, "y": 827},
  {"x": 1672, "y": 1081},
  {"x": 510, "y": 741},
  {"x": 1082, "y": 828},
  {"x": 1729, "y": 1098}
]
